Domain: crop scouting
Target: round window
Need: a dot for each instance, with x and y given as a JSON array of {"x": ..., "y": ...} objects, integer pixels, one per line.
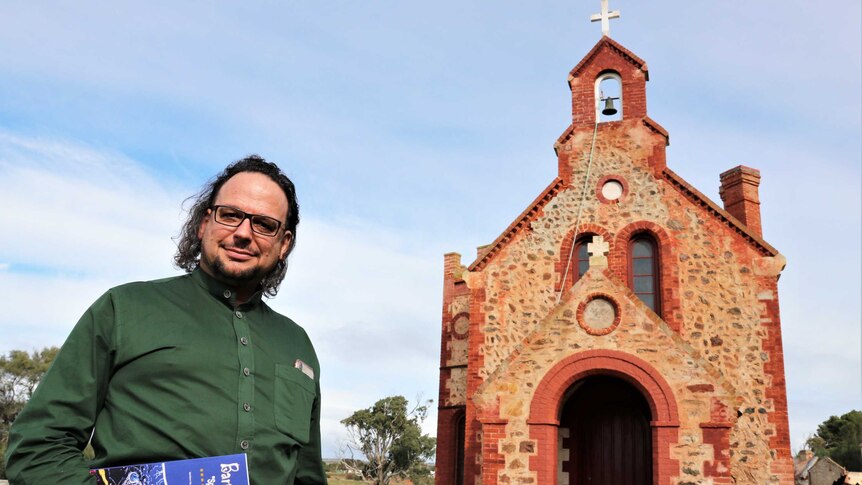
[
  {"x": 462, "y": 324},
  {"x": 612, "y": 190},
  {"x": 599, "y": 313}
]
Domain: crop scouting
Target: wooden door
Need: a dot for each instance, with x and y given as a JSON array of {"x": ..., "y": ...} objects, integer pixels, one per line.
[{"x": 609, "y": 437}]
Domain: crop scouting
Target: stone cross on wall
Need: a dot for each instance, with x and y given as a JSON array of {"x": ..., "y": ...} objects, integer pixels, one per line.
[
  {"x": 605, "y": 18},
  {"x": 598, "y": 250}
]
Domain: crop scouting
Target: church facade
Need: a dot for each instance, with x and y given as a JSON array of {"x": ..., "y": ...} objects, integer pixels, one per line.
[{"x": 624, "y": 329}]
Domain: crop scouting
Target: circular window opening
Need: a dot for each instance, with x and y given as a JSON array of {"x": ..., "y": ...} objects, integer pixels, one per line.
[
  {"x": 612, "y": 190},
  {"x": 462, "y": 324},
  {"x": 600, "y": 314}
]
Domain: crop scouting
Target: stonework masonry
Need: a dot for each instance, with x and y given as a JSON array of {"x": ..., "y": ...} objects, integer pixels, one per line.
[{"x": 708, "y": 361}]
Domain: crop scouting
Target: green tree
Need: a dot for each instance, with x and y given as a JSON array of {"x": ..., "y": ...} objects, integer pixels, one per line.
[
  {"x": 20, "y": 372},
  {"x": 389, "y": 436},
  {"x": 840, "y": 438}
]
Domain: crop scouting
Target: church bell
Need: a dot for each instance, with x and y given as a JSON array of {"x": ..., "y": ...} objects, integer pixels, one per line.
[{"x": 609, "y": 109}]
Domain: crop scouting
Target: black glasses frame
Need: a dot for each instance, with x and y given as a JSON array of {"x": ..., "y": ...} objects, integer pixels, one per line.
[{"x": 245, "y": 215}]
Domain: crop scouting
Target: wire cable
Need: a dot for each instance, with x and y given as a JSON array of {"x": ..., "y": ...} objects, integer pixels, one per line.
[{"x": 580, "y": 210}]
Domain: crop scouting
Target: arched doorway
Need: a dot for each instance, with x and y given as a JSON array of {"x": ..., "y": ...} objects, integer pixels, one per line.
[
  {"x": 460, "y": 435},
  {"x": 605, "y": 435}
]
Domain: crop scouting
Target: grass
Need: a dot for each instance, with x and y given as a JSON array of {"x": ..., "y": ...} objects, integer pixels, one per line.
[
  {"x": 342, "y": 481},
  {"x": 338, "y": 479}
]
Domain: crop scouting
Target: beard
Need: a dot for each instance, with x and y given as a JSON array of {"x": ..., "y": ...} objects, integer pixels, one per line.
[
  {"x": 241, "y": 277},
  {"x": 245, "y": 275}
]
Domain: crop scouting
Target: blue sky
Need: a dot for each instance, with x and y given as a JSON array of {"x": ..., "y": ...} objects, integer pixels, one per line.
[{"x": 411, "y": 130}]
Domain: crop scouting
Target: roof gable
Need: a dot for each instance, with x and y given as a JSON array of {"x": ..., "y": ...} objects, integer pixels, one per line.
[{"x": 608, "y": 44}]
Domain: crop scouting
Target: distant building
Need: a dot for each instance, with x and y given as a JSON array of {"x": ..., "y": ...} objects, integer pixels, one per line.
[
  {"x": 624, "y": 328},
  {"x": 821, "y": 471},
  {"x": 812, "y": 470}
]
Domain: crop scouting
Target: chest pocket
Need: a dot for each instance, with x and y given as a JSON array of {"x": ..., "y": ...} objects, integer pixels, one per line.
[{"x": 294, "y": 398}]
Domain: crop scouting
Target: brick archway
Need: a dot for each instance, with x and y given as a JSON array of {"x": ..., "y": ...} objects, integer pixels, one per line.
[{"x": 548, "y": 400}]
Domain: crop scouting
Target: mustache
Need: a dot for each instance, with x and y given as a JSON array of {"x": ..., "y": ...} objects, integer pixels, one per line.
[{"x": 241, "y": 249}]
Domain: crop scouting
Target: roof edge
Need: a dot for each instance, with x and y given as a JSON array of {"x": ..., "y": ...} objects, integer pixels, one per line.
[
  {"x": 606, "y": 41},
  {"x": 654, "y": 126},
  {"x": 698, "y": 198},
  {"x": 646, "y": 120},
  {"x": 521, "y": 221}
]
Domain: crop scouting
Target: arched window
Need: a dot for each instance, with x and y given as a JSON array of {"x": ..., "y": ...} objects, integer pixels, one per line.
[
  {"x": 580, "y": 258},
  {"x": 460, "y": 436},
  {"x": 609, "y": 85},
  {"x": 644, "y": 270}
]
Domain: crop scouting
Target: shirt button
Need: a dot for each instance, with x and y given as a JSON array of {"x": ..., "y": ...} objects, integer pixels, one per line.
[
  {"x": 247, "y": 407},
  {"x": 243, "y": 341},
  {"x": 246, "y": 371},
  {"x": 238, "y": 314},
  {"x": 243, "y": 444},
  {"x": 226, "y": 293}
]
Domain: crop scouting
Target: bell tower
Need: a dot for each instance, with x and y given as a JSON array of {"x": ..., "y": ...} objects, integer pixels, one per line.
[
  {"x": 609, "y": 100},
  {"x": 608, "y": 63}
]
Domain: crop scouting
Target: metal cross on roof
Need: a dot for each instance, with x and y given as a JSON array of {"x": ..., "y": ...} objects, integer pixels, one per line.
[{"x": 605, "y": 18}]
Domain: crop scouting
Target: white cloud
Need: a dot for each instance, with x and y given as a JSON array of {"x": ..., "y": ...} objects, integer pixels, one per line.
[{"x": 83, "y": 211}]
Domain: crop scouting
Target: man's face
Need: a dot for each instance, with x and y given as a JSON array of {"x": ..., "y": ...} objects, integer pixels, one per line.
[{"x": 237, "y": 256}]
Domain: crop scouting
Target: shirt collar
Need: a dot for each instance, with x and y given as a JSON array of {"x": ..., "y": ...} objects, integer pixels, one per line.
[{"x": 221, "y": 291}]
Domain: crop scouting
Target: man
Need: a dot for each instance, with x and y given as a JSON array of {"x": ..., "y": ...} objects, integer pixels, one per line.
[{"x": 190, "y": 366}]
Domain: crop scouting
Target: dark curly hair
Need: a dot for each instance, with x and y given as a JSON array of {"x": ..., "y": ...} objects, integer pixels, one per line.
[{"x": 189, "y": 245}]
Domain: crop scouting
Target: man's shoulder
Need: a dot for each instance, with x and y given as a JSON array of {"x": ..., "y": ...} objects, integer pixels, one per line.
[
  {"x": 288, "y": 326},
  {"x": 283, "y": 320},
  {"x": 158, "y": 285}
]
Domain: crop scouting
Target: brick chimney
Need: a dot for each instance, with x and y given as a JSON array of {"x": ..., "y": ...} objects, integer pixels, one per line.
[{"x": 739, "y": 193}]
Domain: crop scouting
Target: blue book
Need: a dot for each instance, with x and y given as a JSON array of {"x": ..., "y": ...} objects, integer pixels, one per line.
[{"x": 214, "y": 470}]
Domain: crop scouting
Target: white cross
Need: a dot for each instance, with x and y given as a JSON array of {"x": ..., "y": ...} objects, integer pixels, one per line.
[
  {"x": 605, "y": 17},
  {"x": 598, "y": 246}
]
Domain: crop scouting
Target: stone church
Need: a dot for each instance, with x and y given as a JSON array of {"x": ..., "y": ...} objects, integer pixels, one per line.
[{"x": 624, "y": 329}]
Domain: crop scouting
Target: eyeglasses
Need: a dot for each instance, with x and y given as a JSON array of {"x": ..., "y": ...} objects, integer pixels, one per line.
[{"x": 229, "y": 216}]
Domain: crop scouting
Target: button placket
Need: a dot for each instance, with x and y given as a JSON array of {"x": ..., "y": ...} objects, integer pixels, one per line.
[{"x": 245, "y": 397}]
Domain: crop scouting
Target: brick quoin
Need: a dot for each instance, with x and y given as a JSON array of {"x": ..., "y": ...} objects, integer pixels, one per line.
[
  {"x": 716, "y": 433},
  {"x": 453, "y": 286},
  {"x": 492, "y": 460},
  {"x": 475, "y": 360},
  {"x": 782, "y": 466}
]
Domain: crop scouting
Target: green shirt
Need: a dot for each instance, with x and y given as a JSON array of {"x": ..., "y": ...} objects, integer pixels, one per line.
[{"x": 174, "y": 369}]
